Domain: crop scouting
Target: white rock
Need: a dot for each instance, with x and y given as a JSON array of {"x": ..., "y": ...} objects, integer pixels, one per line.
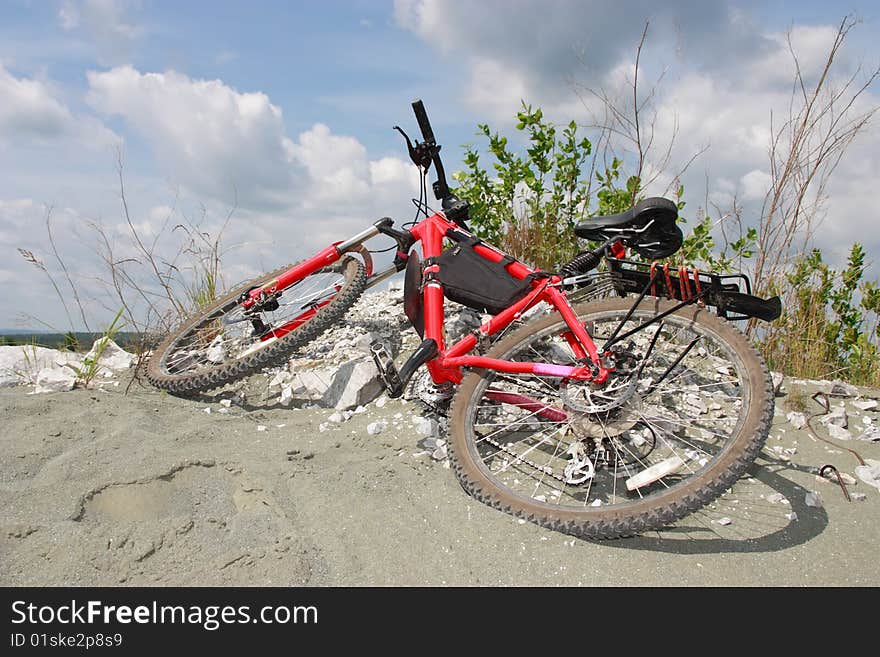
[
  {"x": 791, "y": 515},
  {"x": 696, "y": 404},
  {"x": 324, "y": 426},
  {"x": 375, "y": 428},
  {"x": 360, "y": 409},
  {"x": 858, "y": 497},
  {"x": 724, "y": 521},
  {"x": 314, "y": 383},
  {"x": 19, "y": 365},
  {"x": 280, "y": 378},
  {"x": 380, "y": 403},
  {"x": 847, "y": 479},
  {"x": 596, "y": 502},
  {"x": 425, "y": 426},
  {"x": 113, "y": 357},
  {"x": 336, "y": 417},
  {"x": 865, "y": 404},
  {"x": 226, "y": 403},
  {"x": 440, "y": 453},
  {"x": 872, "y": 433},
  {"x": 797, "y": 420},
  {"x": 869, "y": 473},
  {"x": 813, "y": 499},
  {"x": 215, "y": 352},
  {"x": 355, "y": 384},
  {"x": 777, "y": 378},
  {"x": 776, "y": 498},
  {"x": 363, "y": 343},
  {"x": 261, "y": 427},
  {"x": 55, "y": 379},
  {"x": 207, "y": 410},
  {"x": 836, "y": 417},
  {"x": 286, "y": 395},
  {"x": 840, "y": 388},
  {"x": 839, "y": 433}
]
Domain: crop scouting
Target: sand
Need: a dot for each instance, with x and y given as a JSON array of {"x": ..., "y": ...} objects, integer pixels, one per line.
[{"x": 103, "y": 488}]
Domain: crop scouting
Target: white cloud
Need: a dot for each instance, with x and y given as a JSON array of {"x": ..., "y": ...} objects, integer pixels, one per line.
[
  {"x": 542, "y": 47},
  {"x": 495, "y": 88},
  {"x": 724, "y": 77},
  {"x": 107, "y": 23},
  {"x": 226, "y": 144},
  {"x": 393, "y": 171},
  {"x": 31, "y": 114},
  {"x": 295, "y": 194},
  {"x": 206, "y": 135},
  {"x": 776, "y": 69},
  {"x": 29, "y": 110},
  {"x": 15, "y": 217},
  {"x": 755, "y": 185},
  {"x": 22, "y": 225},
  {"x": 68, "y": 16}
]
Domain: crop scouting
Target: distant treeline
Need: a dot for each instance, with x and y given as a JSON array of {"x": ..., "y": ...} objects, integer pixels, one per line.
[{"x": 78, "y": 341}]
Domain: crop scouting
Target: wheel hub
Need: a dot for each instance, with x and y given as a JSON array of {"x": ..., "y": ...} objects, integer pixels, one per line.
[{"x": 610, "y": 423}]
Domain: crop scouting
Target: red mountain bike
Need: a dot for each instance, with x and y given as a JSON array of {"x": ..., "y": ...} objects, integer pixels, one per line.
[{"x": 599, "y": 419}]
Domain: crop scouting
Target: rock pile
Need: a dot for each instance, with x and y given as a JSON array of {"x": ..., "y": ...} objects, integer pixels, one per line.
[
  {"x": 337, "y": 371},
  {"x": 51, "y": 370}
]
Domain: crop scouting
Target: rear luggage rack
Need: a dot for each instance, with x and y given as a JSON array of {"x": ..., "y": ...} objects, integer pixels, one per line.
[{"x": 723, "y": 291}]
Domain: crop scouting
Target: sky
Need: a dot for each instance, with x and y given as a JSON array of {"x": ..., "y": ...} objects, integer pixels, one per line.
[{"x": 272, "y": 120}]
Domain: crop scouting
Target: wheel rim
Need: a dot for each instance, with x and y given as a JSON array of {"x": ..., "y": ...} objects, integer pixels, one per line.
[
  {"x": 587, "y": 461},
  {"x": 229, "y": 333}
]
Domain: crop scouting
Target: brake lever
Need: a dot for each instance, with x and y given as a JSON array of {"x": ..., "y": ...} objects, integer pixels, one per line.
[
  {"x": 420, "y": 154},
  {"x": 409, "y": 145}
]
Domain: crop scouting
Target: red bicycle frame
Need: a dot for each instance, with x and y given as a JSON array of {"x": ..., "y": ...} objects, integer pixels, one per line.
[{"x": 446, "y": 365}]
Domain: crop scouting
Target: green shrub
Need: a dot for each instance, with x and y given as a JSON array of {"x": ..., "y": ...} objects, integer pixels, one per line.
[{"x": 530, "y": 202}]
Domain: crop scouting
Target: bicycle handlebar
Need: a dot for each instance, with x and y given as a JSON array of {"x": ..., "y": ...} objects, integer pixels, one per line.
[
  {"x": 424, "y": 125},
  {"x": 456, "y": 209},
  {"x": 441, "y": 187}
]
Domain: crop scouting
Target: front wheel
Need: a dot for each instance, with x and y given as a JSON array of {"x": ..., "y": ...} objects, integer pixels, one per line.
[
  {"x": 226, "y": 342},
  {"x": 686, "y": 411}
]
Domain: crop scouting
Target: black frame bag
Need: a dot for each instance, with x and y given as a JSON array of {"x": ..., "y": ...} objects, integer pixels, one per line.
[{"x": 478, "y": 283}]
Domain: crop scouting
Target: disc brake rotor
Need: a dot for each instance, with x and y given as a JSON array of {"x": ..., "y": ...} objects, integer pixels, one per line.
[
  {"x": 581, "y": 397},
  {"x": 608, "y": 424}
]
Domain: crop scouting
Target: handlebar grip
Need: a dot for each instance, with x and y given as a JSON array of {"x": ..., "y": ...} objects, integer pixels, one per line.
[{"x": 424, "y": 124}]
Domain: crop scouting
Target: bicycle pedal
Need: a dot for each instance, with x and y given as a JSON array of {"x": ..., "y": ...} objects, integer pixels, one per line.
[{"x": 387, "y": 370}]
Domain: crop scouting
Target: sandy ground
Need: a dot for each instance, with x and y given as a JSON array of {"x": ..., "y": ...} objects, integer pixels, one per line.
[{"x": 101, "y": 488}]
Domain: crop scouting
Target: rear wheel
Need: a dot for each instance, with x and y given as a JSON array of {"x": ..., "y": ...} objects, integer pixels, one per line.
[
  {"x": 226, "y": 342},
  {"x": 686, "y": 411}
]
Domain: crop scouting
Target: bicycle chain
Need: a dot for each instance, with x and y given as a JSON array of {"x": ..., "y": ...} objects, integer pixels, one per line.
[{"x": 546, "y": 469}]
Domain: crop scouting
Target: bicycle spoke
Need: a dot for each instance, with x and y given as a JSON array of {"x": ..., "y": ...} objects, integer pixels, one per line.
[{"x": 683, "y": 416}]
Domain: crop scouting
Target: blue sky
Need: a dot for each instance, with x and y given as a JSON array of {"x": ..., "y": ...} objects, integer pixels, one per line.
[{"x": 287, "y": 107}]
